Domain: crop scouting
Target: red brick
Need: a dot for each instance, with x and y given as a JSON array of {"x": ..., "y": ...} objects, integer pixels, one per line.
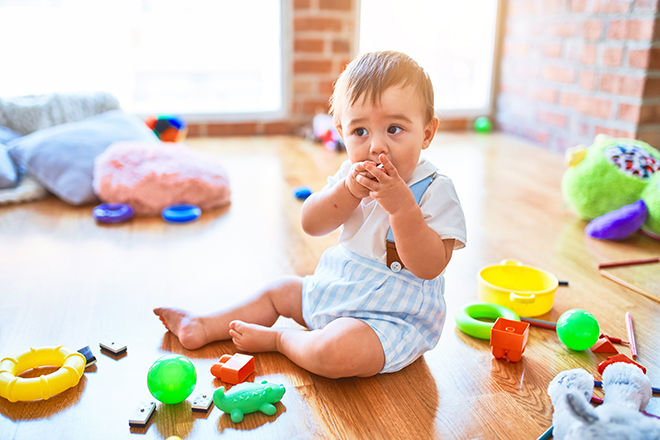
[
  {"x": 316, "y": 24},
  {"x": 302, "y": 4},
  {"x": 314, "y": 45},
  {"x": 535, "y": 135},
  {"x": 547, "y": 95},
  {"x": 326, "y": 87},
  {"x": 551, "y": 50},
  {"x": 654, "y": 58},
  {"x": 454, "y": 124},
  {"x": 196, "y": 129},
  {"x": 611, "y": 6},
  {"x": 231, "y": 129},
  {"x": 515, "y": 49},
  {"x": 343, "y": 5},
  {"x": 649, "y": 114},
  {"x": 552, "y": 119},
  {"x": 341, "y": 46},
  {"x": 519, "y": 8},
  {"x": 559, "y": 74},
  {"x": 315, "y": 106},
  {"x": 613, "y": 132},
  {"x": 564, "y": 29},
  {"x": 569, "y": 99},
  {"x": 578, "y": 5},
  {"x": 622, "y": 85},
  {"x": 588, "y": 80},
  {"x": 638, "y": 30},
  {"x": 552, "y": 6},
  {"x": 302, "y": 86},
  {"x": 599, "y": 108},
  {"x": 646, "y": 5},
  {"x": 652, "y": 88},
  {"x": 278, "y": 127},
  {"x": 515, "y": 88},
  {"x": 629, "y": 113},
  {"x": 639, "y": 58},
  {"x": 589, "y": 54},
  {"x": 650, "y": 135},
  {"x": 613, "y": 57},
  {"x": 592, "y": 30},
  {"x": 312, "y": 66}
]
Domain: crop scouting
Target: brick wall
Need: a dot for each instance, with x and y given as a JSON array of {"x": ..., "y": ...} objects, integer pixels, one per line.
[
  {"x": 571, "y": 69},
  {"x": 323, "y": 40}
]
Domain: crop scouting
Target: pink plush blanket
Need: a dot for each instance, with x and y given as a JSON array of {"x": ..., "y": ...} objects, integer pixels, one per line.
[{"x": 151, "y": 176}]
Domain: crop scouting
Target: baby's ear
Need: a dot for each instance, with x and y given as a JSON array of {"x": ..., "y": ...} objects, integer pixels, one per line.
[{"x": 429, "y": 131}]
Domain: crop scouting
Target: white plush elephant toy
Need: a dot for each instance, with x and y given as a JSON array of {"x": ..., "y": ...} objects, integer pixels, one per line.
[{"x": 627, "y": 392}]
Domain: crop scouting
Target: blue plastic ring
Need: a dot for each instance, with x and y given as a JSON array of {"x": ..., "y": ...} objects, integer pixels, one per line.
[
  {"x": 181, "y": 213},
  {"x": 113, "y": 212}
]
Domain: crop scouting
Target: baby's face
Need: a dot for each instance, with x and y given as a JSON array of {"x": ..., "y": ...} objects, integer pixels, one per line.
[{"x": 395, "y": 127}]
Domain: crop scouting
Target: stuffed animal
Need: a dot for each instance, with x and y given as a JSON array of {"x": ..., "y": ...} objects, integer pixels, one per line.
[
  {"x": 627, "y": 392},
  {"x": 615, "y": 183}
]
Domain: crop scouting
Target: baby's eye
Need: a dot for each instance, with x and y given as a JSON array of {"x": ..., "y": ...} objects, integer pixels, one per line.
[
  {"x": 394, "y": 129},
  {"x": 360, "y": 132}
]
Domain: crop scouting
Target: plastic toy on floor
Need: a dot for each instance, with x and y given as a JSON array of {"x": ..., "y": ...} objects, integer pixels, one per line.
[
  {"x": 248, "y": 398},
  {"x": 615, "y": 183},
  {"x": 168, "y": 128},
  {"x": 627, "y": 392},
  {"x": 325, "y": 131}
]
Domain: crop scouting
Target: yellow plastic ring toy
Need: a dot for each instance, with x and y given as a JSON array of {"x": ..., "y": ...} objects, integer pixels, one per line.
[
  {"x": 14, "y": 388},
  {"x": 467, "y": 318}
]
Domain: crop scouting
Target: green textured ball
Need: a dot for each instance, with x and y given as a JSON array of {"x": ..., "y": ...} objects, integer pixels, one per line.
[
  {"x": 595, "y": 186},
  {"x": 578, "y": 329},
  {"x": 651, "y": 197},
  {"x": 172, "y": 378},
  {"x": 483, "y": 125}
]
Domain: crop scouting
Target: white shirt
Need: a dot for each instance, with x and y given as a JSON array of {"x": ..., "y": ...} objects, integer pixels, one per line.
[{"x": 365, "y": 230}]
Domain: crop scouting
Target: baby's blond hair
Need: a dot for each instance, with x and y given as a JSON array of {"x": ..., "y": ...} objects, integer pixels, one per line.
[{"x": 372, "y": 73}]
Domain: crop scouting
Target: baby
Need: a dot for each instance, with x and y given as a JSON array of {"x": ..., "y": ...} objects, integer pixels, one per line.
[{"x": 375, "y": 302}]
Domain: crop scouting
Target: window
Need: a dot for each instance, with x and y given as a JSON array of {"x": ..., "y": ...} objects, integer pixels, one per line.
[
  {"x": 204, "y": 59},
  {"x": 453, "y": 40}
]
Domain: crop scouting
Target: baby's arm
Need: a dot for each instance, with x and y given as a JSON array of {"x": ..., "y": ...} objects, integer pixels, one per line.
[
  {"x": 420, "y": 248},
  {"x": 326, "y": 210}
]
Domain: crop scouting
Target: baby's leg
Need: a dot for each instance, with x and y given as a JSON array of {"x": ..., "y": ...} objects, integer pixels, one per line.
[
  {"x": 346, "y": 347},
  {"x": 282, "y": 297}
]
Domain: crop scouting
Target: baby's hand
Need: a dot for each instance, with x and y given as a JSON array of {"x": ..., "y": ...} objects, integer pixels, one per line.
[
  {"x": 388, "y": 189},
  {"x": 357, "y": 174}
]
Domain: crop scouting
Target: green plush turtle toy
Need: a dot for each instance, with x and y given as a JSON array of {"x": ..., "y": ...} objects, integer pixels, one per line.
[{"x": 615, "y": 183}]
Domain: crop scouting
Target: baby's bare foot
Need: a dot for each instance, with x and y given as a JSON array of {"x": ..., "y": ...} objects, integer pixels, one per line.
[
  {"x": 189, "y": 329},
  {"x": 253, "y": 338}
]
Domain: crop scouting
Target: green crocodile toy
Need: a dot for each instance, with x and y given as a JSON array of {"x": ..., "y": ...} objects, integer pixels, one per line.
[{"x": 247, "y": 398}]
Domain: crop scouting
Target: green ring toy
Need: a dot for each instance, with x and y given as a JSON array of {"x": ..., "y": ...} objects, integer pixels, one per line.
[{"x": 467, "y": 318}]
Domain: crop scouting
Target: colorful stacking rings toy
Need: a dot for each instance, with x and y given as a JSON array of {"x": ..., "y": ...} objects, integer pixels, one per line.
[
  {"x": 14, "y": 388},
  {"x": 181, "y": 213},
  {"x": 113, "y": 212},
  {"x": 467, "y": 318}
]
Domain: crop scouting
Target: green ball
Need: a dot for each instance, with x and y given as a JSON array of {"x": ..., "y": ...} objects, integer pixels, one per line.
[
  {"x": 578, "y": 329},
  {"x": 172, "y": 378},
  {"x": 483, "y": 125}
]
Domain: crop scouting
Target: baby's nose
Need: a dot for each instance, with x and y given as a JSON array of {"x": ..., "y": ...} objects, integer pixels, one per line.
[{"x": 378, "y": 145}]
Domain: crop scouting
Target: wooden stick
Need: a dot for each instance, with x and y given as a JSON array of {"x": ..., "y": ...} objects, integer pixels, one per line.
[
  {"x": 629, "y": 286},
  {"x": 631, "y": 336},
  {"x": 627, "y": 263}
]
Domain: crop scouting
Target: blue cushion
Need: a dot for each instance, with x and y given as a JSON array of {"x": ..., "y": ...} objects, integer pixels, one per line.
[
  {"x": 8, "y": 172},
  {"x": 7, "y": 135},
  {"x": 62, "y": 157}
]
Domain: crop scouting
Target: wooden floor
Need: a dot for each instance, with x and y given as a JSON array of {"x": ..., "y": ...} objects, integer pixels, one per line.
[{"x": 65, "y": 280}]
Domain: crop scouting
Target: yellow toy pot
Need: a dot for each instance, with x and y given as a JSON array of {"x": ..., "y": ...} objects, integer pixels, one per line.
[{"x": 528, "y": 291}]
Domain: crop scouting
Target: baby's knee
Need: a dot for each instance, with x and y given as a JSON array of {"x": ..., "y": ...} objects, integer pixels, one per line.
[{"x": 337, "y": 358}]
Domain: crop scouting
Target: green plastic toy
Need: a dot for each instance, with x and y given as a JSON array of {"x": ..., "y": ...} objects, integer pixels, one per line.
[
  {"x": 172, "y": 378},
  {"x": 483, "y": 125},
  {"x": 578, "y": 329},
  {"x": 247, "y": 398}
]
